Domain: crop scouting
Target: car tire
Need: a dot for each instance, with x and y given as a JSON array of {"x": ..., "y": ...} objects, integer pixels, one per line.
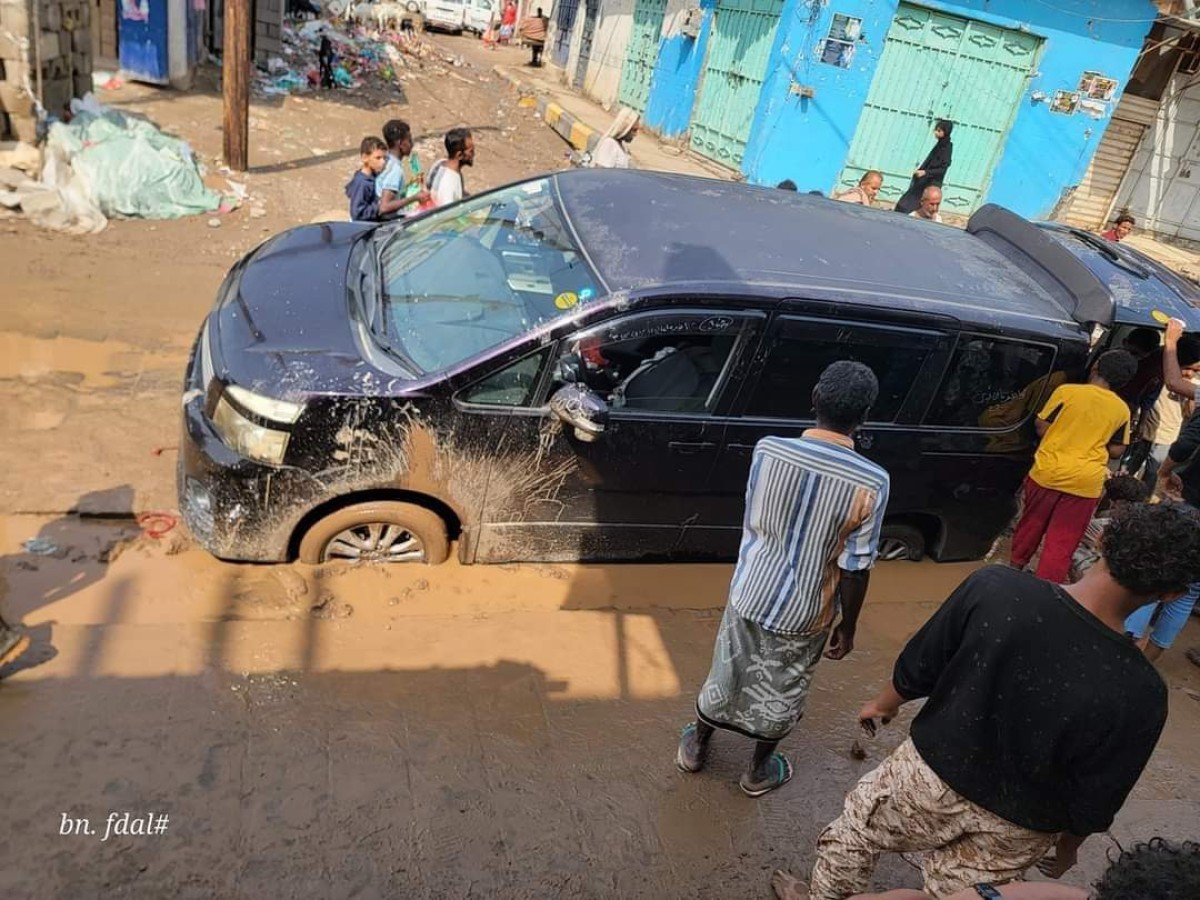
[
  {"x": 901, "y": 542},
  {"x": 355, "y": 528}
]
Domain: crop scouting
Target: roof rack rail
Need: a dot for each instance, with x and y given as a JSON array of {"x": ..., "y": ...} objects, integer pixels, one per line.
[{"x": 1068, "y": 280}]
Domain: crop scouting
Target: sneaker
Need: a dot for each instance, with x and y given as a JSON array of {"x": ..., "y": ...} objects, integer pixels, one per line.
[{"x": 12, "y": 644}]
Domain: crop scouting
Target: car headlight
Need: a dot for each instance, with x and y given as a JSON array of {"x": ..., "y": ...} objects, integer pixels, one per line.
[
  {"x": 206, "y": 361},
  {"x": 235, "y": 420}
]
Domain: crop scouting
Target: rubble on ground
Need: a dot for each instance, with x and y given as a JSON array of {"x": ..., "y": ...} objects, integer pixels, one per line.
[{"x": 364, "y": 56}]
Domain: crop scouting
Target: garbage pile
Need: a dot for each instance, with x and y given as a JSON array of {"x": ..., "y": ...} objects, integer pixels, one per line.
[
  {"x": 364, "y": 55},
  {"x": 103, "y": 164}
]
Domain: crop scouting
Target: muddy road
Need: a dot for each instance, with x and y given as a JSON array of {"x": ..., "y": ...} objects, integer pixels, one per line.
[{"x": 325, "y": 733}]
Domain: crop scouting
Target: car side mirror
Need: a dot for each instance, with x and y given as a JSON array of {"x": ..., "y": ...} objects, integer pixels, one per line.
[{"x": 582, "y": 409}]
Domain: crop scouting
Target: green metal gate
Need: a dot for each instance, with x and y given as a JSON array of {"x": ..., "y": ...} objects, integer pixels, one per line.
[
  {"x": 642, "y": 53},
  {"x": 742, "y": 34},
  {"x": 936, "y": 66}
]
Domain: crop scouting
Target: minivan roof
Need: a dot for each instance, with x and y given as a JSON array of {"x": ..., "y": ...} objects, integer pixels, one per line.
[{"x": 704, "y": 231}]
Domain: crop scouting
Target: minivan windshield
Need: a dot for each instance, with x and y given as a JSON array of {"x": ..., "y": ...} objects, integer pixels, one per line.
[{"x": 476, "y": 274}]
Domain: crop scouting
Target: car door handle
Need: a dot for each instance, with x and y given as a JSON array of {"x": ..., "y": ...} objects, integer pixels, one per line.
[
  {"x": 741, "y": 446},
  {"x": 685, "y": 447}
]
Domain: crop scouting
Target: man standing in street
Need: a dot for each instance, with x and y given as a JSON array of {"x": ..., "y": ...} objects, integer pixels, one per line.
[
  {"x": 446, "y": 180},
  {"x": 1081, "y": 428},
  {"x": 867, "y": 190},
  {"x": 1179, "y": 474},
  {"x": 814, "y": 509},
  {"x": 533, "y": 32},
  {"x": 1040, "y": 716},
  {"x": 931, "y": 202}
]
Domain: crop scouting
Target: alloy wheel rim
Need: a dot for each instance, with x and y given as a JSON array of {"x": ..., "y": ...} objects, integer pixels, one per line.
[
  {"x": 374, "y": 542},
  {"x": 891, "y": 549}
]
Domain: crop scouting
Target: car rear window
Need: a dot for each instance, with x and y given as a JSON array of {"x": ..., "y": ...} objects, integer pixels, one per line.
[{"x": 992, "y": 383}]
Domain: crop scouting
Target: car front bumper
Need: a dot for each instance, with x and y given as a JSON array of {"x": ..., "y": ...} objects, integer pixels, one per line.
[{"x": 237, "y": 509}]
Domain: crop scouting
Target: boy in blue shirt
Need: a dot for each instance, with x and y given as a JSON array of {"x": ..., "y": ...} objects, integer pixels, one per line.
[
  {"x": 364, "y": 206},
  {"x": 399, "y": 196}
]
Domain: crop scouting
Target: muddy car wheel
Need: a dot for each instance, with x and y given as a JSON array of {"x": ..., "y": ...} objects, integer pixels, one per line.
[
  {"x": 901, "y": 542},
  {"x": 383, "y": 531}
]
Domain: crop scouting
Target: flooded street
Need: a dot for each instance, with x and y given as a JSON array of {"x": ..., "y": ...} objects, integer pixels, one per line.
[{"x": 411, "y": 732}]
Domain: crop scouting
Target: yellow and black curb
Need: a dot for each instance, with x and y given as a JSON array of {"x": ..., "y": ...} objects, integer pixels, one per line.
[{"x": 563, "y": 123}]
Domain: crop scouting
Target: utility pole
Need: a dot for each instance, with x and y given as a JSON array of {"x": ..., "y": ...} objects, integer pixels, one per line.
[{"x": 235, "y": 84}]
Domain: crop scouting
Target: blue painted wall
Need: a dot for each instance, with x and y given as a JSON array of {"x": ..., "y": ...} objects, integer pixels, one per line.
[
  {"x": 676, "y": 78},
  {"x": 808, "y": 139}
]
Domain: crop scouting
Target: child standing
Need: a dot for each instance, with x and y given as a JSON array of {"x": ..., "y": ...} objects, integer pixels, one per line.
[
  {"x": 364, "y": 207},
  {"x": 325, "y": 61},
  {"x": 1119, "y": 491},
  {"x": 396, "y": 198}
]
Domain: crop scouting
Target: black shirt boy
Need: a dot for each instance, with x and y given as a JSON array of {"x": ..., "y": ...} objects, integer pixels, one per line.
[{"x": 1037, "y": 711}]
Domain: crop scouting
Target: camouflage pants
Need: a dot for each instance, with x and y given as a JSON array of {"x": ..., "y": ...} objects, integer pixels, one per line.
[{"x": 904, "y": 807}]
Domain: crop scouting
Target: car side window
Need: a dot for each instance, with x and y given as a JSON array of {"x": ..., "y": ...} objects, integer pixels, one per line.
[
  {"x": 803, "y": 349},
  {"x": 511, "y": 386},
  {"x": 993, "y": 383},
  {"x": 671, "y": 364}
]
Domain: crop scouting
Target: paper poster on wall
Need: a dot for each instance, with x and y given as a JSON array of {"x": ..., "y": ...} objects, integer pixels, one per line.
[
  {"x": 838, "y": 47},
  {"x": 135, "y": 10},
  {"x": 845, "y": 28},
  {"x": 1097, "y": 86},
  {"x": 1097, "y": 109},
  {"x": 837, "y": 53},
  {"x": 1065, "y": 102}
]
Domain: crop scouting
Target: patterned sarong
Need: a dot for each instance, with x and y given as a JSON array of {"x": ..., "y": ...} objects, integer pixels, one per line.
[{"x": 759, "y": 679}]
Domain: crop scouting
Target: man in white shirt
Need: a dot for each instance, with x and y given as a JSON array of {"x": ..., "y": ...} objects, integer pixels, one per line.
[
  {"x": 931, "y": 202},
  {"x": 446, "y": 181}
]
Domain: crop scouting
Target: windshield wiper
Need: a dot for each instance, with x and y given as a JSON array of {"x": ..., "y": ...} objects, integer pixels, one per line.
[{"x": 1109, "y": 252}]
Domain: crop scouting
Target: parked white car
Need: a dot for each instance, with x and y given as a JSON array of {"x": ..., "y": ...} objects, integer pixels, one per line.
[
  {"x": 448, "y": 15},
  {"x": 479, "y": 15}
]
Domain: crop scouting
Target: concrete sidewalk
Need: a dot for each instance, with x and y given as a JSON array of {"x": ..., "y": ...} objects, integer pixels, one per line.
[{"x": 581, "y": 123}]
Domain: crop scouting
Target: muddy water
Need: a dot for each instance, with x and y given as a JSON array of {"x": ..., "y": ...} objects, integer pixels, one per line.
[{"x": 454, "y": 731}]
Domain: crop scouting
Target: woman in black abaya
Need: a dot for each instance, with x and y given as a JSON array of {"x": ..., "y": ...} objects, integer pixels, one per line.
[{"x": 932, "y": 171}]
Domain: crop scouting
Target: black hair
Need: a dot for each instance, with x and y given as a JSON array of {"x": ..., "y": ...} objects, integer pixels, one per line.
[
  {"x": 1153, "y": 549},
  {"x": 1126, "y": 488},
  {"x": 946, "y": 125},
  {"x": 844, "y": 394},
  {"x": 1156, "y": 870},
  {"x": 456, "y": 141},
  {"x": 787, "y": 185},
  {"x": 395, "y": 131},
  {"x": 1143, "y": 339},
  {"x": 1117, "y": 367},
  {"x": 1188, "y": 353},
  {"x": 815, "y": 194},
  {"x": 370, "y": 144},
  {"x": 1125, "y": 217}
]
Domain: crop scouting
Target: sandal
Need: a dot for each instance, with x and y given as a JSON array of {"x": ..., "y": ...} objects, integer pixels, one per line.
[
  {"x": 691, "y": 753},
  {"x": 783, "y": 774}
]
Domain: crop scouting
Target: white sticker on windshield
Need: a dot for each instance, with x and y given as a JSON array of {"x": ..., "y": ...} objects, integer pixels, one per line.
[{"x": 534, "y": 187}]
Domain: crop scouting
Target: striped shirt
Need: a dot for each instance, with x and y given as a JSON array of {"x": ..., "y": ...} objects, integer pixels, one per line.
[{"x": 814, "y": 508}]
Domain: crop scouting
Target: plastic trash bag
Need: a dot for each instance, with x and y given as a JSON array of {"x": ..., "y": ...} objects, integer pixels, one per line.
[{"x": 128, "y": 167}]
